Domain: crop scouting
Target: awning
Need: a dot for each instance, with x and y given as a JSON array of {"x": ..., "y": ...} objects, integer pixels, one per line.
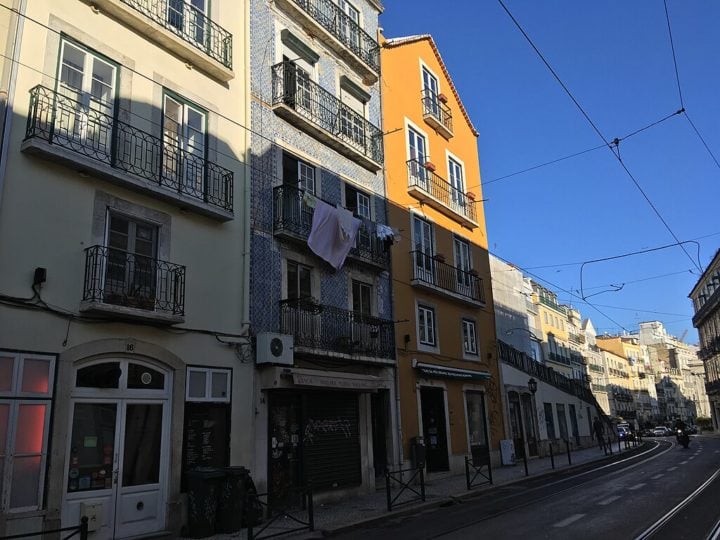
[
  {"x": 342, "y": 381},
  {"x": 443, "y": 372}
]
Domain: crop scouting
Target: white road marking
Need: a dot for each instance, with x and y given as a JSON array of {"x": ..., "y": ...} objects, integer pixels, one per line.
[
  {"x": 567, "y": 521},
  {"x": 671, "y": 469},
  {"x": 691, "y": 457},
  {"x": 684, "y": 462},
  {"x": 656, "y": 476},
  {"x": 609, "y": 500},
  {"x": 637, "y": 486}
]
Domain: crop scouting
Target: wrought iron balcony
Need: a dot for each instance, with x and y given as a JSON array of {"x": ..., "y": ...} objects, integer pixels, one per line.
[
  {"x": 431, "y": 273},
  {"x": 340, "y": 32},
  {"x": 430, "y": 188},
  {"x": 66, "y": 130},
  {"x": 292, "y": 219},
  {"x": 437, "y": 113},
  {"x": 126, "y": 284},
  {"x": 310, "y": 107},
  {"x": 550, "y": 303},
  {"x": 331, "y": 329},
  {"x": 183, "y": 29}
]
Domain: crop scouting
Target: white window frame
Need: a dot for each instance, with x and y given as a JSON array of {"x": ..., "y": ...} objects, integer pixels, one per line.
[
  {"x": 14, "y": 399},
  {"x": 469, "y": 337},
  {"x": 427, "y": 310},
  {"x": 209, "y": 374}
]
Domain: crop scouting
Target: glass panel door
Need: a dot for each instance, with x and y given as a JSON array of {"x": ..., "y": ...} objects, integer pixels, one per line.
[
  {"x": 418, "y": 157},
  {"x": 85, "y": 110},
  {"x": 457, "y": 187},
  {"x": 92, "y": 447},
  {"x": 462, "y": 265},
  {"x": 141, "y": 446},
  {"x": 422, "y": 239},
  {"x": 477, "y": 428},
  {"x": 430, "y": 89}
]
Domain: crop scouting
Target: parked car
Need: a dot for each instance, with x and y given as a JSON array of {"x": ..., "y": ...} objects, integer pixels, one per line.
[
  {"x": 624, "y": 433},
  {"x": 662, "y": 431},
  {"x": 647, "y": 433}
]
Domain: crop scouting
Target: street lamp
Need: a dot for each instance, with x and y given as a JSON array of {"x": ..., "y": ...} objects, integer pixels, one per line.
[{"x": 532, "y": 385}]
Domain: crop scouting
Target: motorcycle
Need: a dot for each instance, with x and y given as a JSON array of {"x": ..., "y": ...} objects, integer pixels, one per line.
[{"x": 683, "y": 438}]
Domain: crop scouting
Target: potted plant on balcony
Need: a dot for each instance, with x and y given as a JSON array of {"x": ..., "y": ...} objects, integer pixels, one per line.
[
  {"x": 439, "y": 257},
  {"x": 430, "y": 166},
  {"x": 470, "y": 195},
  {"x": 473, "y": 272},
  {"x": 442, "y": 98}
]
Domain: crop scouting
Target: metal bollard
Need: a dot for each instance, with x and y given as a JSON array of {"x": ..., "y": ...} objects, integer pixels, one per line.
[
  {"x": 609, "y": 445},
  {"x": 567, "y": 446},
  {"x": 387, "y": 490},
  {"x": 422, "y": 485},
  {"x": 525, "y": 462},
  {"x": 467, "y": 473},
  {"x": 83, "y": 528},
  {"x": 311, "y": 510},
  {"x": 552, "y": 457},
  {"x": 619, "y": 448}
]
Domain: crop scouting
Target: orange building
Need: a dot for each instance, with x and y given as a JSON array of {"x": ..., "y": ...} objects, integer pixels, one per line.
[{"x": 445, "y": 334}]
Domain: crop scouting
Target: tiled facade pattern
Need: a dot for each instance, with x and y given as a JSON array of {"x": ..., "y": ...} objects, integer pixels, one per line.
[{"x": 267, "y": 130}]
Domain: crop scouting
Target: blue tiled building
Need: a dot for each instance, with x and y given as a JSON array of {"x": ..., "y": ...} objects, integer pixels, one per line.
[{"x": 324, "y": 337}]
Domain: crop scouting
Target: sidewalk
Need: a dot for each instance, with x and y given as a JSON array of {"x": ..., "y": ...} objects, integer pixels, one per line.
[{"x": 440, "y": 488}]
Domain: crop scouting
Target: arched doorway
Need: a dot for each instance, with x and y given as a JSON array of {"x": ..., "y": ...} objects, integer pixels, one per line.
[{"x": 117, "y": 448}]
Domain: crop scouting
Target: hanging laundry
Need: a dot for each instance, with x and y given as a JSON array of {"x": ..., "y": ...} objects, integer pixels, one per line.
[
  {"x": 309, "y": 200},
  {"x": 326, "y": 238},
  {"x": 345, "y": 220}
]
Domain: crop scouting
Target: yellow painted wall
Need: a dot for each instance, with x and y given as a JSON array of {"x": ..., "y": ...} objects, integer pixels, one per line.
[{"x": 401, "y": 100}]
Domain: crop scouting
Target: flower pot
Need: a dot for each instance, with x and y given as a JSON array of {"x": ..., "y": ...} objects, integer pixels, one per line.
[
  {"x": 430, "y": 166},
  {"x": 442, "y": 98},
  {"x": 439, "y": 258},
  {"x": 470, "y": 195}
]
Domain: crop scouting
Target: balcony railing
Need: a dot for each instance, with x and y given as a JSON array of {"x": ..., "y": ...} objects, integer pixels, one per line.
[
  {"x": 328, "y": 15},
  {"x": 190, "y": 24},
  {"x": 175, "y": 169},
  {"x": 436, "y": 112},
  {"x": 293, "y": 217},
  {"x": 293, "y": 88},
  {"x": 440, "y": 191},
  {"x": 327, "y": 328},
  {"x": 523, "y": 362},
  {"x": 116, "y": 277},
  {"x": 435, "y": 274},
  {"x": 557, "y": 307}
]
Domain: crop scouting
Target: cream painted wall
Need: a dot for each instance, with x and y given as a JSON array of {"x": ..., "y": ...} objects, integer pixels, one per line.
[{"x": 47, "y": 209}]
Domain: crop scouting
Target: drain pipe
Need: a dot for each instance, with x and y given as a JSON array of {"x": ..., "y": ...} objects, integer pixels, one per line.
[{"x": 10, "y": 98}]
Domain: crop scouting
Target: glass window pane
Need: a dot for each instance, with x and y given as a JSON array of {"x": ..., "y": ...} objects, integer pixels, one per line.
[
  {"x": 219, "y": 384},
  {"x": 30, "y": 429},
  {"x": 6, "y": 373},
  {"x": 196, "y": 386},
  {"x": 143, "y": 437},
  {"x": 145, "y": 377},
  {"x": 25, "y": 482},
  {"x": 92, "y": 446},
  {"x": 36, "y": 376},
  {"x": 4, "y": 413},
  {"x": 476, "y": 418},
  {"x": 105, "y": 375}
]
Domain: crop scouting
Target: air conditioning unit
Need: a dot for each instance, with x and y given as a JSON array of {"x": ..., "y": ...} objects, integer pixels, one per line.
[{"x": 274, "y": 349}]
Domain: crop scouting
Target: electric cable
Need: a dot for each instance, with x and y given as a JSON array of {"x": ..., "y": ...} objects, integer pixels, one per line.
[{"x": 599, "y": 133}]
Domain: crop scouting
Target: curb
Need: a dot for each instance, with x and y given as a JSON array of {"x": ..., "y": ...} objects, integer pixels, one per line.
[{"x": 442, "y": 500}]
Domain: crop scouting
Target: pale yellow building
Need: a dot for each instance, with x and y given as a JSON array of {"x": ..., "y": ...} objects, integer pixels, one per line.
[{"x": 123, "y": 321}]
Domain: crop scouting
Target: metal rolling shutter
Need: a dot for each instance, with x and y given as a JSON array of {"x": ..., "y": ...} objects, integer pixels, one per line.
[{"x": 332, "y": 440}]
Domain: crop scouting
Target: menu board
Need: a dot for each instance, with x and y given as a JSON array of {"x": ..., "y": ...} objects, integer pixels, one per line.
[{"x": 207, "y": 435}]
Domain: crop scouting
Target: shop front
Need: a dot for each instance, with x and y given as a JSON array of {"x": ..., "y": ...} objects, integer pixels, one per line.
[
  {"x": 452, "y": 415},
  {"x": 325, "y": 431}
]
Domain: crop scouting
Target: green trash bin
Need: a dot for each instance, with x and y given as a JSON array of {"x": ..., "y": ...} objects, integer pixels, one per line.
[
  {"x": 204, "y": 486},
  {"x": 232, "y": 499}
]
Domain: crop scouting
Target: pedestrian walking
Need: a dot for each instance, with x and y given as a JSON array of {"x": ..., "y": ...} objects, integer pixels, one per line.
[{"x": 600, "y": 434}]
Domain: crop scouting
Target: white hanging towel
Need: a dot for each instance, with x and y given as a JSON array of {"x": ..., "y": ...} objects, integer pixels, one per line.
[
  {"x": 326, "y": 238},
  {"x": 345, "y": 220}
]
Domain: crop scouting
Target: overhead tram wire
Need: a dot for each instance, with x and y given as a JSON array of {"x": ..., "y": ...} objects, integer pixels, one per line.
[
  {"x": 614, "y": 142},
  {"x": 557, "y": 287},
  {"x": 599, "y": 133},
  {"x": 679, "y": 87}
]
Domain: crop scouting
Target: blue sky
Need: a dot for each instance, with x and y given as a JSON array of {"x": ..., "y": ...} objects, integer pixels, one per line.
[{"x": 615, "y": 58}]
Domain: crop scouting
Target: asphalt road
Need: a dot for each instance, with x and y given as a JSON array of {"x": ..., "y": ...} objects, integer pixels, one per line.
[{"x": 644, "y": 495}]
